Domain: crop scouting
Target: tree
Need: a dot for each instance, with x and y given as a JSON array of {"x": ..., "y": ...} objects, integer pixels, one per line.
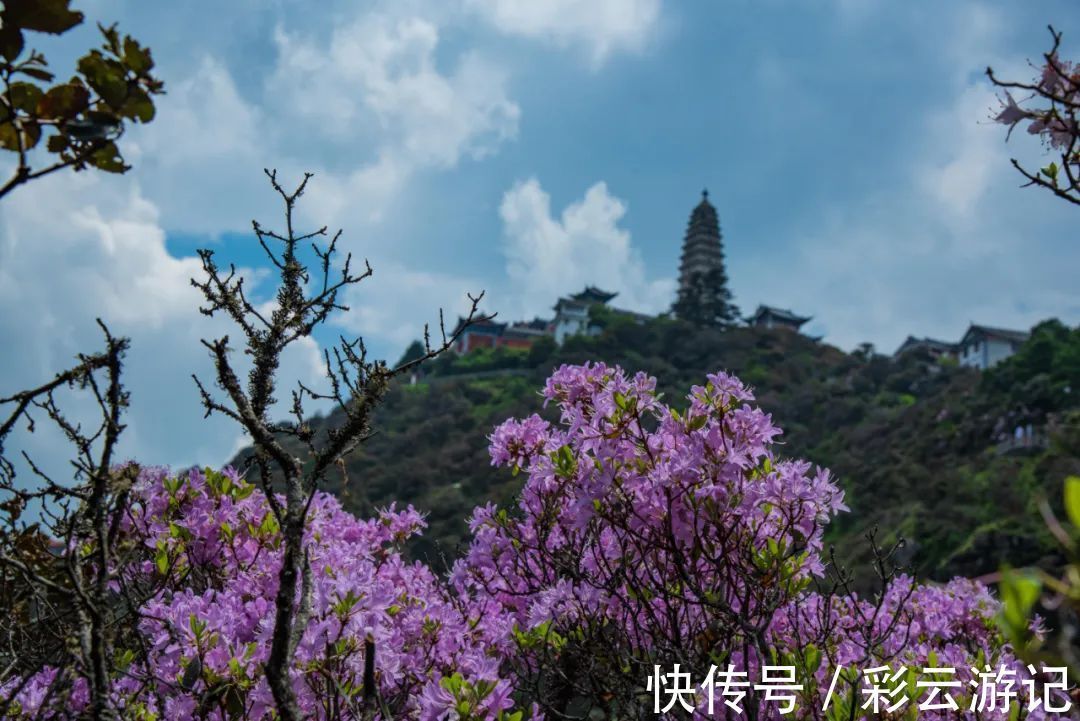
[
  {"x": 119, "y": 548},
  {"x": 59, "y": 545},
  {"x": 79, "y": 120},
  {"x": 64, "y": 605},
  {"x": 356, "y": 386},
  {"x": 1055, "y": 118}
]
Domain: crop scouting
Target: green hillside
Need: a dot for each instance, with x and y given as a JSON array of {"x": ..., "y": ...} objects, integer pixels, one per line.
[{"x": 914, "y": 442}]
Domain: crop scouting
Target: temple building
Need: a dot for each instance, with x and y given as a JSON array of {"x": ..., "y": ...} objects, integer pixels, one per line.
[
  {"x": 768, "y": 317},
  {"x": 929, "y": 347},
  {"x": 572, "y": 314},
  {"x": 575, "y": 315},
  {"x": 983, "y": 346},
  {"x": 703, "y": 295},
  {"x": 489, "y": 334}
]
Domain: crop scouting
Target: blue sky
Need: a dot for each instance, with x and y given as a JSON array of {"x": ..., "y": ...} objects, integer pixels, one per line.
[{"x": 528, "y": 148}]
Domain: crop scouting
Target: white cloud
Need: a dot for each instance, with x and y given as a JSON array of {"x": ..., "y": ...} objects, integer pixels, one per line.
[
  {"x": 201, "y": 159},
  {"x": 379, "y": 75},
  {"x": 548, "y": 256},
  {"x": 77, "y": 247},
  {"x": 602, "y": 27},
  {"x": 945, "y": 236},
  {"x": 365, "y": 104},
  {"x": 964, "y": 157},
  {"x": 950, "y": 240},
  {"x": 362, "y": 103},
  {"x": 395, "y": 303}
]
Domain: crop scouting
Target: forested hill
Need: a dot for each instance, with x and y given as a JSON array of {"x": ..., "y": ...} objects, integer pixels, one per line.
[{"x": 915, "y": 443}]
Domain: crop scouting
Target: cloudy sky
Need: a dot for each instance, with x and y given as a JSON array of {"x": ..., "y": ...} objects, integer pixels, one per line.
[{"x": 528, "y": 148}]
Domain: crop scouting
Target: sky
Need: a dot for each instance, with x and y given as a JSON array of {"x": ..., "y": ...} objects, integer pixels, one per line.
[{"x": 527, "y": 149}]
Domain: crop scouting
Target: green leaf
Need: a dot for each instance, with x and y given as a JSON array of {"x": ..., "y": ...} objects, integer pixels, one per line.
[
  {"x": 137, "y": 57},
  {"x": 1019, "y": 591},
  {"x": 11, "y": 40},
  {"x": 108, "y": 158},
  {"x": 140, "y": 106},
  {"x": 38, "y": 74},
  {"x": 452, "y": 683},
  {"x": 235, "y": 703},
  {"x": 63, "y": 102},
  {"x": 773, "y": 546},
  {"x": 197, "y": 626},
  {"x": 25, "y": 96},
  {"x": 813, "y": 659},
  {"x": 112, "y": 37},
  {"x": 161, "y": 561},
  {"x": 45, "y": 16},
  {"x": 124, "y": 660},
  {"x": 191, "y": 674},
  {"x": 10, "y": 137},
  {"x": 1072, "y": 499},
  {"x": 106, "y": 77}
]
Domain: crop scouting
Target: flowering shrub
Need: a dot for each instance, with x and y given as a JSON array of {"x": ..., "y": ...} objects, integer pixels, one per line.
[
  {"x": 1054, "y": 117},
  {"x": 644, "y": 537},
  {"x": 650, "y": 537},
  {"x": 204, "y": 636}
]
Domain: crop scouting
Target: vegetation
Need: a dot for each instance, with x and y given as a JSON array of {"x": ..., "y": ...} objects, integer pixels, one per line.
[
  {"x": 647, "y": 537},
  {"x": 1050, "y": 105},
  {"x": 80, "y": 119},
  {"x": 632, "y": 535},
  {"x": 918, "y": 445}
]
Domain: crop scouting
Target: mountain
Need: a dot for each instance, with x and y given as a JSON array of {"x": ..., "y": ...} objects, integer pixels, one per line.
[{"x": 923, "y": 448}]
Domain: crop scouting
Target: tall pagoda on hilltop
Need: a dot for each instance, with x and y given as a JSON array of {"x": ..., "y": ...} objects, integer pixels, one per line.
[{"x": 703, "y": 296}]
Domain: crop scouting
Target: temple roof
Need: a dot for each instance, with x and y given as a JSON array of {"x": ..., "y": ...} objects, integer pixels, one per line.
[
  {"x": 911, "y": 342},
  {"x": 592, "y": 294},
  {"x": 536, "y": 323},
  {"x": 524, "y": 330},
  {"x": 1013, "y": 336},
  {"x": 703, "y": 217},
  {"x": 701, "y": 248},
  {"x": 780, "y": 314},
  {"x": 487, "y": 326}
]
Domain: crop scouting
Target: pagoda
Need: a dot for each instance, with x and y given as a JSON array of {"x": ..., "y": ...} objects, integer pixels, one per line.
[{"x": 703, "y": 296}]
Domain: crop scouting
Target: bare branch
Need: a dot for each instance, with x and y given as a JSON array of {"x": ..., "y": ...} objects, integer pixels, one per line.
[{"x": 356, "y": 385}]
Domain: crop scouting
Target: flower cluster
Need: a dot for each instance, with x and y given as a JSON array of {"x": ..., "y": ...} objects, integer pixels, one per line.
[
  {"x": 1058, "y": 82},
  {"x": 1055, "y": 119},
  {"x": 205, "y": 636},
  {"x": 644, "y": 537},
  {"x": 648, "y": 537}
]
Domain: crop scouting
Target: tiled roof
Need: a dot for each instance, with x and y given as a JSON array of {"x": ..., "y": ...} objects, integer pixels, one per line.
[
  {"x": 1013, "y": 336},
  {"x": 913, "y": 342},
  {"x": 781, "y": 313},
  {"x": 592, "y": 294}
]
